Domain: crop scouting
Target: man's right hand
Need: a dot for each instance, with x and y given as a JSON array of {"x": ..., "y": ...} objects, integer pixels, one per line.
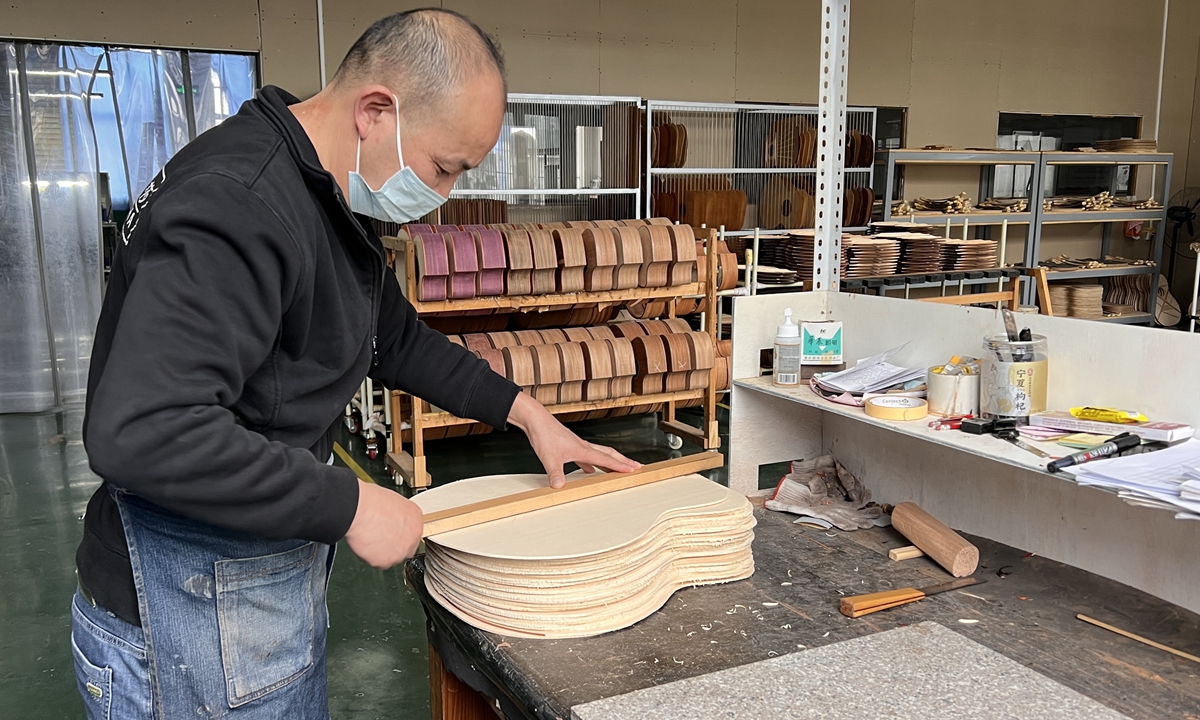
[{"x": 387, "y": 526}]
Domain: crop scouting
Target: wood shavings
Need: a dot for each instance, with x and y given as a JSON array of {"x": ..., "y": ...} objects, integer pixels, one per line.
[{"x": 968, "y": 621}]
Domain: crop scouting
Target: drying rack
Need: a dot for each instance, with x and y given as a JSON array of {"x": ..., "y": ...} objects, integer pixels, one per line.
[{"x": 409, "y": 464}]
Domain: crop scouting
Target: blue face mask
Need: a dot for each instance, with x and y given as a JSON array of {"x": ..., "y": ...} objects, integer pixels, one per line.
[{"x": 403, "y": 198}]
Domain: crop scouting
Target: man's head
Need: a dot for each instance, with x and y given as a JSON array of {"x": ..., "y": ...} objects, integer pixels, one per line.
[{"x": 448, "y": 77}]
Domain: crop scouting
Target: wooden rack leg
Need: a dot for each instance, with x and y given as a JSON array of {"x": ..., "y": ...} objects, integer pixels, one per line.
[
  {"x": 420, "y": 477},
  {"x": 409, "y": 468},
  {"x": 450, "y": 698}
]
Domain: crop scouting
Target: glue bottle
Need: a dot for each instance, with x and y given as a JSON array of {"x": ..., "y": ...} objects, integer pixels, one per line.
[{"x": 787, "y": 352}]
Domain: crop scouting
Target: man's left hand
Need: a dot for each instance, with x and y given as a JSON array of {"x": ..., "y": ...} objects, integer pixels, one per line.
[{"x": 556, "y": 446}]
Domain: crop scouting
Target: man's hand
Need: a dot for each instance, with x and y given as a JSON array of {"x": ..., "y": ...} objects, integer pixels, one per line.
[
  {"x": 556, "y": 446},
  {"x": 387, "y": 527}
]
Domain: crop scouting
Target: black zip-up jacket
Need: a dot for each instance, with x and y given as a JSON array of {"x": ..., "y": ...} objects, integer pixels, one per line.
[{"x": 245, "y": 306}]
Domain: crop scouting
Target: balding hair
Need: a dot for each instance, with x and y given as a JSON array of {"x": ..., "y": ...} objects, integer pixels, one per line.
[{"x": 424, "y": 55}]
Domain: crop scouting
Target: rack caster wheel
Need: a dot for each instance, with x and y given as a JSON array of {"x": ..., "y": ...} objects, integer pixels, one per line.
[
  {"x": 353, "y": 425},
  {"x": 372, "y": 453},
  {"x": 674, "y": 441}
]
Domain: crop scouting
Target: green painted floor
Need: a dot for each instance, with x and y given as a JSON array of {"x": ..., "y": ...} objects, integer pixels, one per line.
[{"x": 376, "y": 648}]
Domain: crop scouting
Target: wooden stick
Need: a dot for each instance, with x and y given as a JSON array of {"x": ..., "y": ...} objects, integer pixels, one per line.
[
  {"x": 540, "y": 498},
  {"x": 859, "y": 605},
  {"x": 1139, "y": 638}
]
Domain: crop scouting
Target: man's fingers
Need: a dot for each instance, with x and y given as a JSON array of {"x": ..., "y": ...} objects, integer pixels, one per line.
[
  {"x": 586, "y": 467},
  {"x": 557, "y": 479},
  {"x": 617, "y": 461}
]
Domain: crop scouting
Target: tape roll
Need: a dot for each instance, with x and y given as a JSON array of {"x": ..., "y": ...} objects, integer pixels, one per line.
[{"x": 896, "y": 408}]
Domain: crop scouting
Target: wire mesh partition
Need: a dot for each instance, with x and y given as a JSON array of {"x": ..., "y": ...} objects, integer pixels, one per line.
[
  {"x": 748, "y": 166},
  {"x": 558, "y": 158}
]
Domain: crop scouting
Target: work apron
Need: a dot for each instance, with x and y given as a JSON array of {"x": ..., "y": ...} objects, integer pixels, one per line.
[{"x": 234, "y": 625}]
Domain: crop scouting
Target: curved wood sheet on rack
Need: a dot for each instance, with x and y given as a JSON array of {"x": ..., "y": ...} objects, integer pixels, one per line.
[
  {"x": 682, "y": 269},
  {"x": 624, "y": 367},
  {"x": 493, "y": 263},
  {"x": 656, "y": 255},
  {"x": 464, "y": 264},
  {"x": 581, "y": 224},
  {"x": 807, "y": 157},
  {"x": 552, "y": 226},
  {"x": 545, "y": 262},
  {"x": 601, "y": 332},
  {"x": 714, "y": 208},
  {"x": 600, "y": 259},
  {"x": 518, "y": 365},
  {"x": 572, "y": 259},
  {"x": 433, "y": 267},
  {"x": 414, "y": 229},
  {"x": 679, "y": 362},
  {"x": 477, "y": 341},
  {"x": 643, "y": 309},
  {"x": 503, "y": 339},
  {"x": 494, "y": 358},
  {"x": 457, "y": 340},
  {"x": 574, "y": 372},
  {"x": 547, "y": 373},
  {"x": 655, "y": 327},
  {"x": 627, "y": 242},
  {"x": 553, "y": 335},
  {"x": 650, "y": 352},
  {"x": 519, "y": 279},
  {"x": 577, "y": 334},
  {"x": 703, "y": 359},
  {"x": 598, "y": 366},
  {"x": 528, "y": 337},
  {"x": 627, "y": 329}
]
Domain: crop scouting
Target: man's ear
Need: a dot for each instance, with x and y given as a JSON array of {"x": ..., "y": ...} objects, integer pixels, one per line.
[{"x": 373, "y": 104}]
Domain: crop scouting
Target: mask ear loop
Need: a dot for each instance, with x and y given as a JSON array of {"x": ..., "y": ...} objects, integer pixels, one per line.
[{"x": 399, "y": 154}]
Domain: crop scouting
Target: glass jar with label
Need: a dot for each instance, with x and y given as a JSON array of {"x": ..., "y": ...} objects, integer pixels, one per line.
[{"x": 1013, "y": 374}]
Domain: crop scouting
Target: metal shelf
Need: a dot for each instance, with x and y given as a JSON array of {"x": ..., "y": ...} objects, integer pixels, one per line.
[
  {"x": 745, "y": 171},
  {"x": 1078, "y": 158},
  {"x": 1137, "y": 318},
  {"x": 996, "y": 217},
  {"x": 477, "y": 192},
  {"x": 1100, "y": 272},
  {"x": 960, "y": 157},
  {"x": 1061, "y": 217}
]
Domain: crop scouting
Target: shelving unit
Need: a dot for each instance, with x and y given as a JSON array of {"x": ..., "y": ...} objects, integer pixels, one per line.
[
  {"x": 562, "y": 158},
  {"x": 727, "y": 140},
  {"x": 410, "y": 465},
  {"x": 1040, "y": 164},
  {"x": 1047, "y": 161}
]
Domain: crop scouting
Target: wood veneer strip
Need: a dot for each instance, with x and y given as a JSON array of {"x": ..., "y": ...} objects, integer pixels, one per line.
[
  {"x": 656, "y": 255},
  {"x": 598, "y": 363},
  {"x": 433, "y": 267},
  {"x": 503, "y": 339},
  {"x": 601, "y": 332},
  {"x": 518, "y": 365},
  {"x": 531, "y": 500},
  {"x": 574, "y": 372},
  {"x": 477, "y": 341},
  {"x": 528, "y": 337},
  {"x": 489, "y": 246},
  {"x": 494, "y": 358},
  {"x": 464, "y": 264},
  {"x": 550, "y": 336},
  {"x": 600, "y": 259},
  {"x": 629, "y": 257}
]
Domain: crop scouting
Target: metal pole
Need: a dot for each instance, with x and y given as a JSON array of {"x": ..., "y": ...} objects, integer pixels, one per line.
[
  {"x": 831, "y": 143},
  {"x": 189, "y": 102}
]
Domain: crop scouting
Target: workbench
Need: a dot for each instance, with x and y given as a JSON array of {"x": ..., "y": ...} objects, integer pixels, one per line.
[{"x": 1026, "y": 611}]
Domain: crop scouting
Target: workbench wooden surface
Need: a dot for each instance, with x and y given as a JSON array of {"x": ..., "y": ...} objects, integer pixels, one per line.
[{"x": 1026, "y": 611}]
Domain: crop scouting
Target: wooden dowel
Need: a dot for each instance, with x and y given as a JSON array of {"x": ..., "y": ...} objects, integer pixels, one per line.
[
  {"x": 1139, "y": 638},
  {"x": 946, "y": 547},
  {"x": 540, "y": 498}
]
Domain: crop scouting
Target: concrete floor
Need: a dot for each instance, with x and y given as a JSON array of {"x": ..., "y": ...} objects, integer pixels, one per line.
[{"x": 376, "y": 648}]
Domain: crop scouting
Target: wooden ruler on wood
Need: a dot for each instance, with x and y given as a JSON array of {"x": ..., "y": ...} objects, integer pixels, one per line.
[{"x": 530, "y": 500}]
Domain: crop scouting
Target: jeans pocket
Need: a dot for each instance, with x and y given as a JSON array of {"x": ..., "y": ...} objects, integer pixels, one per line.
[
  {"x": 95, "y": 684},
  {"x": 266, "y": 608}
]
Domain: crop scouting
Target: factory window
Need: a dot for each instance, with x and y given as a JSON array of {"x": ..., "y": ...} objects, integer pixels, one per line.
[{"x": 1032, "y": 131}]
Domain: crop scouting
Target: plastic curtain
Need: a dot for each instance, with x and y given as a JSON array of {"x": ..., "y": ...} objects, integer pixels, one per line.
[
  {"x": 26, "y": 382},
  {"x": 220, "y": 84},
  {"x": 68, "y": 180},
  {"x": 153, "y": 111}
]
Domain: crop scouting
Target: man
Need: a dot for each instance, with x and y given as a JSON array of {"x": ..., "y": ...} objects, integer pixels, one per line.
[{"x": 246, "y": 304}]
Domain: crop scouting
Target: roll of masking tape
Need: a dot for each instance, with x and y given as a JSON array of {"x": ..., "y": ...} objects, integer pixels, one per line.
[{"x": 896, "y": 408}]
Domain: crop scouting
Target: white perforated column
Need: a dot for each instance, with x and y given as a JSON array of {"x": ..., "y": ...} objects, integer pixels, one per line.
[{"x": 831, "y": 143}]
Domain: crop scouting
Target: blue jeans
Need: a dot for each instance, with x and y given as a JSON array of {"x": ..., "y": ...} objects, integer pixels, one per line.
[{"x": 233, "y": 626}]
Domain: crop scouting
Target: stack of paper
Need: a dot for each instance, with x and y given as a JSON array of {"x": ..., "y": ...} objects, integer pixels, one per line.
[
  {"x": 1168, "y": 479},
  {"x": 871, "y": 375}
]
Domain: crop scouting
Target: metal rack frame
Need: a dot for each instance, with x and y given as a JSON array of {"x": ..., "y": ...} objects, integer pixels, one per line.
[
  {"x": 860, "y": 118},
  {"x": 1050, "y": 159},
  {"x": 1040, "y": 163}
]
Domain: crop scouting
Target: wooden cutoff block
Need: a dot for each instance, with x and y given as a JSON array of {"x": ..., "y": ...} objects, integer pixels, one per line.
[
  {"x": 572, "y": 259},
  {"x": 907, "y": 552},
  {"x": 629, "y": 257},
  {"x": 531, "y": 500},
  {"x": 600, "y": 253},
  {"x": 946, "y": 547}
]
